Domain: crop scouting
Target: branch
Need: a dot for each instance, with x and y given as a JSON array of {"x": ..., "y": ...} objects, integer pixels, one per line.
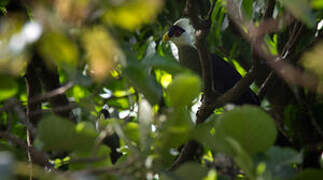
[
  {"x": 38, "y": 157},
  {"x": 289, "y": 73}
]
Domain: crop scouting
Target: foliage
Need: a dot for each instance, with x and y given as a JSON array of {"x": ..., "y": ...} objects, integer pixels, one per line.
[{"x": 109, "y": 55}]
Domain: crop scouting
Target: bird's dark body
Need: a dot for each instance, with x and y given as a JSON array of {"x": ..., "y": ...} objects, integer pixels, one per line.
[{"x": 225, "y": 76}]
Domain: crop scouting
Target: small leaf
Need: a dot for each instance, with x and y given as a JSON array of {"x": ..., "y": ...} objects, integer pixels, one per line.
[
  {"x": 183, "y": 89},
  {"x": 8, "y": 87}
]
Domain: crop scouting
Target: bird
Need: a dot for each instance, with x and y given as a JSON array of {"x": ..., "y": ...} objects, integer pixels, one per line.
[
  {"x": 112, "y": 140},
  {"x": 224, "y": 77}
]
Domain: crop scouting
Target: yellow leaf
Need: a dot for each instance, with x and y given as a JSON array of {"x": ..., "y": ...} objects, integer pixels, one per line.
[
  {"x": 101, "y": 50},
  {"x": 132, "y": 14}
]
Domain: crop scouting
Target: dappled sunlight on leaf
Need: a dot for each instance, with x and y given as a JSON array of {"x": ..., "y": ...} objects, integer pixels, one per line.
[
  {"x": 102, "y": 51},
  {"x": 8, "y": 87},
  {"x": 134, "y": 13}
]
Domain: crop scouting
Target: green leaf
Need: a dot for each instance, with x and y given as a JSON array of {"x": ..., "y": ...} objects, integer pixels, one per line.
[
  {"x": 279, "y": 162},
  {"x": 165, "y": 63},
  {"x": 185, "y": 171},
  {"x": 4, "y": 3},
  {"x": 312, "y": 174},
  {"x": 317, "y": 4},
  {"x": 103, "y": 155},
  {"x": 140, "y": 79},
  {"x": 241, "y": 157},
  {"x": 58, "y": 49},
  {"x": 8, "y": 87},
  {"x": 247, "y": 7},
  {"x": 175, "y": 131},
  {"x": 183, "y": 89},
  {"x": 188, "y": 171},
  {"x": 250, "y": 126},
  {"x": 131, "y": 130},
  {"x": 301, "y": 10},
  {"x": 57, "y": 133},
  {"x": 132, "y": 14}
]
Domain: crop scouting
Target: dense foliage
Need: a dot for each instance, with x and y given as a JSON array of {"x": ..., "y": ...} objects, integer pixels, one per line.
[{"x": 63, "y": 61}]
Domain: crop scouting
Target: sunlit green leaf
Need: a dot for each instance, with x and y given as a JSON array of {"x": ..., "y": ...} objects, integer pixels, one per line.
[
  {"x": 8, "y": 87},
  {"x": 318, "y": 4},
  {"x": 272, "y": 45},
  {"x": 58, "y": 49},
  {"x": 132, "y": 14},
  {"x": 183, "y": 89},
  {"x": 131, "y": 131}
]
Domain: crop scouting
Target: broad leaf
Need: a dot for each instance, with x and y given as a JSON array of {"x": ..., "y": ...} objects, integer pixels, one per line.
[{"x": 250, "y": 126}]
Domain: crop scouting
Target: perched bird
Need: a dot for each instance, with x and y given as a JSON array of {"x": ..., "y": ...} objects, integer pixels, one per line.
[
  {"x": 225, "y": 76},
  {"x": 111, "y": 140}
]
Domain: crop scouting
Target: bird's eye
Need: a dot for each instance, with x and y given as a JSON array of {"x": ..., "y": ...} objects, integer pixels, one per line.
[{"x": 178, "y": 32}]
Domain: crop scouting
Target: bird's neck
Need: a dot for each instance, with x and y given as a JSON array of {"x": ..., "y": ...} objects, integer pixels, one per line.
[{"x": 189, "y": 57}]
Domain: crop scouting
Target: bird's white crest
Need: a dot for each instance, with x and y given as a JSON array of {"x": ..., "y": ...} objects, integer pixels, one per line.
[{"x": 186, "y": 38}]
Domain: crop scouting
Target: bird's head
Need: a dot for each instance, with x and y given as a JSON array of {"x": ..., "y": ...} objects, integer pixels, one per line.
[{"x": 181, "y": 33}]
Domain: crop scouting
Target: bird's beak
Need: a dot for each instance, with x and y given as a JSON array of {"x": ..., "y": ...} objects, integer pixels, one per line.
[{"x": 165, "y": 37}]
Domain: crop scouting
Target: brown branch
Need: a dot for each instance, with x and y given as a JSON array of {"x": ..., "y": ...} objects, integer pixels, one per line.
[
  {"x": 202, "y": 27},
  {"x": 33, "y": 89},
  {"x": 53, "y": 93},
  {"x": 289, "y": 73},
  {"x": 49, "y": 78},
  {"x": 38, "y": 157}
]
